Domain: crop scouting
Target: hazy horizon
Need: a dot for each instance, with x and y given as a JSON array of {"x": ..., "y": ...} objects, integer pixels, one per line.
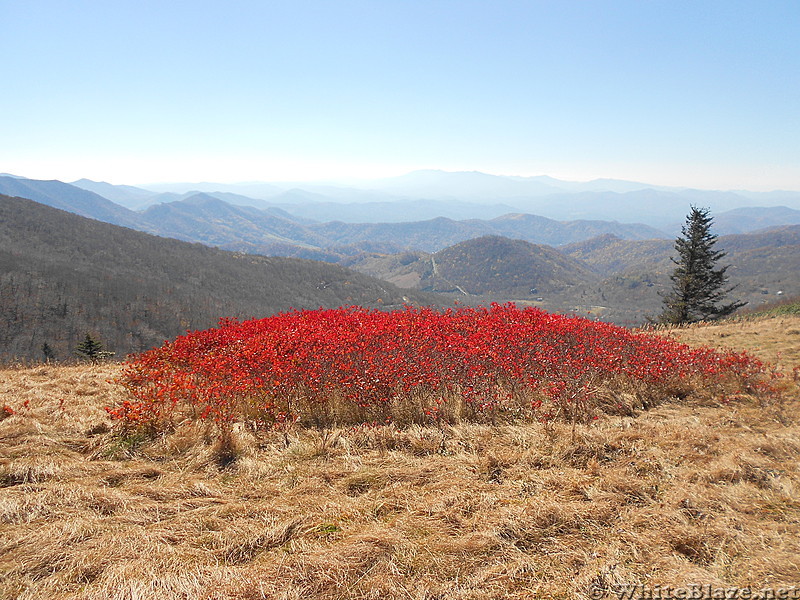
[
  {"x": 684, "y": 94},
  {"x": 365, "y": 183}
]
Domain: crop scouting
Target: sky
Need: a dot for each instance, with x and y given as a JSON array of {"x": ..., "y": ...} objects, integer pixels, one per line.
[{"x": 694, "y": 93}]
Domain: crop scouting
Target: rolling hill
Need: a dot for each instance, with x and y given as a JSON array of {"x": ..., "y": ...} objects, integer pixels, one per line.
[
  {"x": 499, "y": 265},
  {"x": 617, "y": 271},
  {"x": 486, "y": 266}
]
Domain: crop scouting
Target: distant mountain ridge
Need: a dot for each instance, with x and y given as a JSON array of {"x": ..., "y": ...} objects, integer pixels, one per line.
[
  {"x": 132, "y": 198},
  {"x": 598, "y": 200},
  {"x": 601, "y": 199},
  {"x": 206, "y": 218},
  {"x": 749, "y": 219}
]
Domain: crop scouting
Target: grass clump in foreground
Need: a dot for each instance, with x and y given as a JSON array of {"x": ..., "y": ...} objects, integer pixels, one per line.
[{"x": 687, "y": 492}]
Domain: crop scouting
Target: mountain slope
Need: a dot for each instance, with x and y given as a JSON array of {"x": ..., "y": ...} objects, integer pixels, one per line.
[
  {"x": 541, "y": 230},
  {"x": 209, "y": 220},
  {"x": 62, "y": 275},
  {"x": 429, "y": 236},
  {"x": 70, "y": 198},
  {"x": 608, "y": 254},
  {"x": 487, "y": 266},
  {"x": 518, "y": 269},
  {"x": 129, "y": 196},
  {"x": 742, "y": 220},
  {"x": 607, "y": 277}
]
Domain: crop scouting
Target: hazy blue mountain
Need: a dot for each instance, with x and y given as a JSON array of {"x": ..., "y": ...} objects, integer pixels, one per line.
[
  {"x": 70, "y": 198},
  {"x": 397, "y": 211},
  {"x": 305, "y": 228},
  {"x": 434, "y": 234},
  {"x": 296, "y": 196},
  {"x": 422, "y": 184},
  {"x": 299, "y": 192},
  {"x": 742, "y": 220},
  {"x": 658, "y": 208},
  {"x": 241, "y": 200},
  {"x": 541, "y": 230},
  {"x": 229, "y": 197},
  {"x": 465, "y": 185},
  {"x": 207, "y": 219},
  {"x": 128, "y": 196},
  {"x": 385, "y": 199},
  {"x": 774, "y": 198},
  {"x": 610, "y": 185},
  {"x": 257, "y": 190}
]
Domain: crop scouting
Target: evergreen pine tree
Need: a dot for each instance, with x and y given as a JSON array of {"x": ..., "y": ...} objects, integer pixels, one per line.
[
  {"x": 697, "y": 286},
  {"x": 91, "y": 349},
  {"x": 49, "y": 353}
]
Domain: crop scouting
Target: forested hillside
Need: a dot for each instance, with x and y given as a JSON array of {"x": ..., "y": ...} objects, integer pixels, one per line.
[
  {"x": 62, "y": 275},
  {"x": 488, "y": 265}
]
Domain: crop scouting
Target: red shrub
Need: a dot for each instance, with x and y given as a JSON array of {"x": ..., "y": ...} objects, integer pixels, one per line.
[{"x": 352, "y": 365}]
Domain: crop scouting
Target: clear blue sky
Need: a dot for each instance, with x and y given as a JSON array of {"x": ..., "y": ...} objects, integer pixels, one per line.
[{"x": 697, "y": 93}]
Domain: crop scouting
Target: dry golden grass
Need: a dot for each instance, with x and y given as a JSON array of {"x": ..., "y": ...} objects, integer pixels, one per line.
[
  {"x": 775, "y": 339},
  {"x": 691, "y": 493}
]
